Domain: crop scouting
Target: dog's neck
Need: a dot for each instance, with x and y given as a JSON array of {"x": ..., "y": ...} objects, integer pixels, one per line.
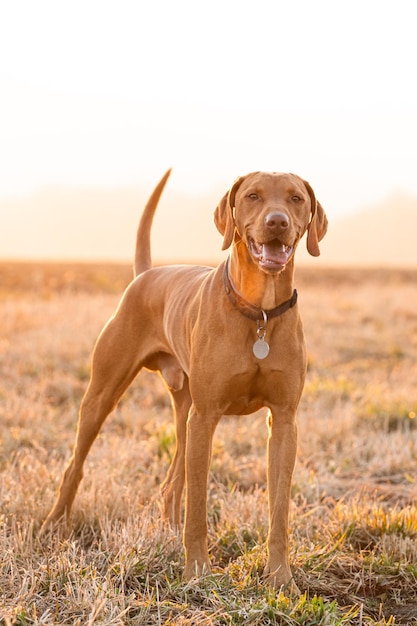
[{"x": 265, "y": 291}]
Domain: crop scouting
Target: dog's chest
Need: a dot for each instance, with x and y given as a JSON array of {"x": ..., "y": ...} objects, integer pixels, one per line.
[{"x": 242, "y": 384}]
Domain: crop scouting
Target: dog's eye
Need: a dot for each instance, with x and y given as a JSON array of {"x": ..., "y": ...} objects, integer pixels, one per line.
[
  {"x": 296, "y": 198},
  {"x": 253, "y": 196}
]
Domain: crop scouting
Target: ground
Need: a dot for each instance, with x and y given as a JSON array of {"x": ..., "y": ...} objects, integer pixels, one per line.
[{"x": 353, "y": 514}]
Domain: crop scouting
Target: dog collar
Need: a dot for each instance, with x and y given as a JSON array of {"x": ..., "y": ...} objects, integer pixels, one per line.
[{"x": 250, "y": 310}]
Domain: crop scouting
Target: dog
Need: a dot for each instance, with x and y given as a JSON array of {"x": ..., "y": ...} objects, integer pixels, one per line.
[{"x": 226, "y": 341}]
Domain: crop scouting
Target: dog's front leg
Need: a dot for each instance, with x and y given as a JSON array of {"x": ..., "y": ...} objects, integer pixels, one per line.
[
  {"x": 282, "y": 446},
  {"x": 200, "y": 432}
]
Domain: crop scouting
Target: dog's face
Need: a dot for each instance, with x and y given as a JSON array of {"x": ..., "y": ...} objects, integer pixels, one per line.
[{"x": 269, "y": 213}]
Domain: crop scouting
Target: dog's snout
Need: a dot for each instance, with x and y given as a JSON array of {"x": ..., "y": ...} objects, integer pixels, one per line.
[{"x": 277, "y": 221}]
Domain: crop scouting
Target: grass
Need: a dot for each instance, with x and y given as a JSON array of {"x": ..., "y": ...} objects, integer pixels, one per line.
[{"x": 353, "y": 514}]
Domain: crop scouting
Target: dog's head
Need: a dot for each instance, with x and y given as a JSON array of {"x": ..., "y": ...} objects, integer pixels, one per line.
[{"x": 269, "y": 213}]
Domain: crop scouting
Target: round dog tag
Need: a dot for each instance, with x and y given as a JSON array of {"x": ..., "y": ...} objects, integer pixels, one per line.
[{"x": 260, "y": 349}]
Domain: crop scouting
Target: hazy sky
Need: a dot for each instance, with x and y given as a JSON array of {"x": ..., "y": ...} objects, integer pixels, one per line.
[{"x": 98, "y": 92}]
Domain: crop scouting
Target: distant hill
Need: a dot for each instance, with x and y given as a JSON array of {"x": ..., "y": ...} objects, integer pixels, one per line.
[
  {"x": 384, "y": 235},
  {"x": 100, "y": 224},
  {"x": 87, "y": 223}
]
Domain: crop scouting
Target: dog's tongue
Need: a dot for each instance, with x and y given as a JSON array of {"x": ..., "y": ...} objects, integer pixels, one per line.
[{"x": 275, "y": 252}]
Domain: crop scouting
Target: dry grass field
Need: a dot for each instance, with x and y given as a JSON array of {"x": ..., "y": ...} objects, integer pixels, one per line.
[{"x": 354, "y": 510}]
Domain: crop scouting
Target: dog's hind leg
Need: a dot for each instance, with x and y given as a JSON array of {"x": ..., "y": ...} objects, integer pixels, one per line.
[
  {"x": 115, "y": 364},
  {"x": 173, "y": 484}
]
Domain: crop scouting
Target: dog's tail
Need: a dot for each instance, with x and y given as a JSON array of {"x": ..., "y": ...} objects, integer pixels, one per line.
[{"x": 143, "y": 260}]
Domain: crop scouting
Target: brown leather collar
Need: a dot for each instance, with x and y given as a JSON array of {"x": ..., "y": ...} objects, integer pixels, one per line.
[{"x": 251, "y": 310}]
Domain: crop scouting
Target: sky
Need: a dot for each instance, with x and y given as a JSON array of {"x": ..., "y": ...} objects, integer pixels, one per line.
[{"x": 109, "y": 94}]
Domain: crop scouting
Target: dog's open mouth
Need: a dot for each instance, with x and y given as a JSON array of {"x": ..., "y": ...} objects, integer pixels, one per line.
[{"x": 273, "y": 255}]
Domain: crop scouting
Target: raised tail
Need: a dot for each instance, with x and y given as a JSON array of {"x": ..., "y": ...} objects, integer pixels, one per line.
[{"x": 143, "y": 260}]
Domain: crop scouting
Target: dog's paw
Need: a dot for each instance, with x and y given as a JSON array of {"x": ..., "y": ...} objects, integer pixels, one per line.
[
  {"x": 53, "y": 524},
  {"x": 281, "y": 579},
  {"x": 196, "y": 569}
]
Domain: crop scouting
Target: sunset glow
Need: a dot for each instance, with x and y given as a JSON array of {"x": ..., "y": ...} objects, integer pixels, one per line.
[{"x": 107, "y": 96}]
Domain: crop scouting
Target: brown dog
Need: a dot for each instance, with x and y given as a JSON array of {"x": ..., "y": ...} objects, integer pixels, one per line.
[{"x": 227, "y": 341}]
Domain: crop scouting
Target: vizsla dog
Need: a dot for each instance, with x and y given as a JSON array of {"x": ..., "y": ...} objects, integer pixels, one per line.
[{"x": 226, "y": 341}]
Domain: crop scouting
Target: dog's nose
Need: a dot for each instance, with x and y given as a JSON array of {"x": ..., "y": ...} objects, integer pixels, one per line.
[{"x": 277, "y": 221}]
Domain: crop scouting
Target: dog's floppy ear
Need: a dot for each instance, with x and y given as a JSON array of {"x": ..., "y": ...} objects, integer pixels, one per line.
[
  {"x": 317, "y": 227},
  {"x": 223, "y": 215}
]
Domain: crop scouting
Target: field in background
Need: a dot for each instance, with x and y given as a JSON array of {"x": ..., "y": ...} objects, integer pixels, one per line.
[{"x": 353, "y": 516}]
